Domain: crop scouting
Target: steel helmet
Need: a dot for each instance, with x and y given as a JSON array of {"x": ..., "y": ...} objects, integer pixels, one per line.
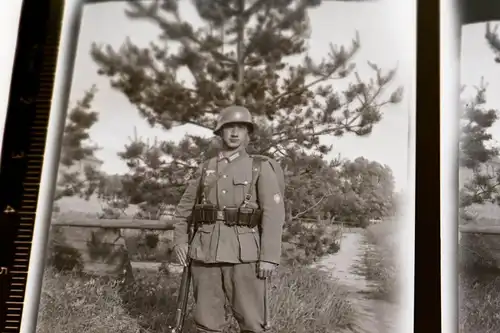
[{"x": 234, "y": 114}]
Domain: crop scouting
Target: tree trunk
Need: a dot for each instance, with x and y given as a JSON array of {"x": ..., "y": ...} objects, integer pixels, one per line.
[{"x": 239, "y": 52}]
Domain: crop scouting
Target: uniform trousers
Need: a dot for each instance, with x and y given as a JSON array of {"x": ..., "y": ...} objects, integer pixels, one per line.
[{"x": 236, "y": 285}]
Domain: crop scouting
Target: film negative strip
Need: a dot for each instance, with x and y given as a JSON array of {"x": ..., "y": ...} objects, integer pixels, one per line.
[{"x": 23, "y": 149}]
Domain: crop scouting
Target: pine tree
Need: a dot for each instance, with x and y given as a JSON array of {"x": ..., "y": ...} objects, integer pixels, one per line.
[
  {"x": 477, "y": 152},
  {"x": 76, "y": 148},
  {"x": 73, "y": 180},
  {"x": 248, "y": 52}
]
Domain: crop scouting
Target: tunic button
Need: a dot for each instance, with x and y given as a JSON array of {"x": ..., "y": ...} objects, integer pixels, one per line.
[
  {"x": 224, "y": 191},
  {"x": 246, "y": 182},
  {"x": 225, "y": 176}
]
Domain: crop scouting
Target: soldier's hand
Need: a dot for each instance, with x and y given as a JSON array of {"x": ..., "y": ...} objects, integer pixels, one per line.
[
  {"x": 265, "y": 269},
  {"x": 181, "y": 253}
]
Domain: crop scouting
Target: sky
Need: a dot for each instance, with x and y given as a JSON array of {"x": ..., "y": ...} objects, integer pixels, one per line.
[
  {"x": 383, "y": 41},
  {"x": 477, "y": 61}
]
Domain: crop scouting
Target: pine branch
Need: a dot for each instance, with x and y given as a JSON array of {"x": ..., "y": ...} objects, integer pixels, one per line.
[{"x": 310, "y": 208}]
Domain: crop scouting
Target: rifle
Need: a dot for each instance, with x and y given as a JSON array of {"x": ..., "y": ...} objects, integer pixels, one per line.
[
  {"x": 267, "y": 316},
  {"x": 183, "y": 296}
]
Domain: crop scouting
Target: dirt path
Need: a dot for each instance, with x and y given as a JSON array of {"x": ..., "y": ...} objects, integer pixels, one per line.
[{"x": 373, "y": 316}]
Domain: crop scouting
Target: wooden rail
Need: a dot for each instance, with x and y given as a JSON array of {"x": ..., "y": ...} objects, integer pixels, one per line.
[
  {"x": 479, "y": 229},
  {"x": 115, "y": 224},
  {"x": 132, "y": 223}
]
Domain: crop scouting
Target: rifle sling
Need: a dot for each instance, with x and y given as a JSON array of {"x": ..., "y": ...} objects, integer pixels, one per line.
[
  {"x": 197, "y": 199},
  {"x": 256, "y": 167},
  {"x": 199, "y": 193}
]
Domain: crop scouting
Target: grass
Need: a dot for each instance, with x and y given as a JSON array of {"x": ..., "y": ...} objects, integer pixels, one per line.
[
  {"x": 479, "y": 273},
  {"x": 479, "y": 279},
  {"x": 72, "y": 304},
  {"x": 381, "y": 263},
  {"x": 479, "y": 301},
  {"x": 302, "y": 300},
  {"x": 479, "y": 282}
]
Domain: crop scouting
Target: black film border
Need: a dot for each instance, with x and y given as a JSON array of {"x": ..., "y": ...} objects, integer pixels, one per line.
[{"x": 24, "y": 141}]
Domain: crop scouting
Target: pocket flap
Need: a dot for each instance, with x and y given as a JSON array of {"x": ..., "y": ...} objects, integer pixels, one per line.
[{"x": 241, "y": 180}]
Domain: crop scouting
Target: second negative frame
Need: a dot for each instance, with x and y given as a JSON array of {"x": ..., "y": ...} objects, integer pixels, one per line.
[
  {"x": 328, "y": 88},
  {"x": 479, "y": 178}
]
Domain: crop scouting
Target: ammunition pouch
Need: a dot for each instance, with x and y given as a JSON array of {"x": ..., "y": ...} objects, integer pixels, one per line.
[
  {"x": 243, "y": 217},
  {"x": 204, "y": 214},
  {"x": 233, "y": 216}
]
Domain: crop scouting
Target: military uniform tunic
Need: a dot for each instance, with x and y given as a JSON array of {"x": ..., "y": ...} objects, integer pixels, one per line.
[
  {"x": 224, "y": 266},
  {"x": 217, "y": 243}
]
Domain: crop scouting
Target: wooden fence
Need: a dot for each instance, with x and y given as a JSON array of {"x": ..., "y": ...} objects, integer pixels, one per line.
[
  {"x": 100, "y": 245},
  {"x": 479, "y": 252},
  {"x": 478, "y": 230}
]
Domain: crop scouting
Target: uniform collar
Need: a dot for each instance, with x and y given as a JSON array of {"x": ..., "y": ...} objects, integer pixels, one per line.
[{"x": 232, "y": 157}]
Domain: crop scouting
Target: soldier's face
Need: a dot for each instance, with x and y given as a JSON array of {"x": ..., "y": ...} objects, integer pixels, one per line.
[{"x": 234, "y": 135}]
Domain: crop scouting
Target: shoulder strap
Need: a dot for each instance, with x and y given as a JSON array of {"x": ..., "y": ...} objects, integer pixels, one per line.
[
  {"x": 256, "y": 167},
  {"x": 278, "y": 170}
]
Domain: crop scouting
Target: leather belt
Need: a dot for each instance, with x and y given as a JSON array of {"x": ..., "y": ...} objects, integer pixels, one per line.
[
  {"x": 219, "y": 216},
  {"x": 229, "y": 216}
]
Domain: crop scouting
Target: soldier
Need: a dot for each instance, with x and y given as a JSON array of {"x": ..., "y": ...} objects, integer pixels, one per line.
[{"x": 239, "y": 213}]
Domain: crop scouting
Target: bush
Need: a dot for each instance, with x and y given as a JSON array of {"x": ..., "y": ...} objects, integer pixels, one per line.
[
  {"x": 304, "y": 245},
  {"x": 381, "y": 263},
  {"x": 478, "y": 252},
  {"x": 61, "y": 256},
  {"x": 302, "y": 300},
  {"x": 148, "y": 246}
]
